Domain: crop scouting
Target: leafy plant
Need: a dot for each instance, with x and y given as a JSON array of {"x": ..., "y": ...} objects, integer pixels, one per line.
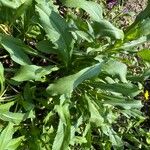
[{"x": 67, "y": 78}]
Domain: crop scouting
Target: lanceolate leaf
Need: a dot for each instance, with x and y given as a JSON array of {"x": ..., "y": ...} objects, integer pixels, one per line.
[
  {"x": 15, "y": 48},
  {"x": 95, "y": 116},
  {"x": 92, "y": 8},
  {"x": 126, "y": 89},
  {"x": 33, "y": 72},
  {"x": 121, "y": 102},
  {"x": 56, "y": 29},
  {"x": 63, "y": 135},
  {"x": 6, "y": 141},
  {"x": 2, "y": 78},
  {"x": 105, "y": 28},
  {"x": 16, "y": 118},
  {"x": 67, "y": 84}
]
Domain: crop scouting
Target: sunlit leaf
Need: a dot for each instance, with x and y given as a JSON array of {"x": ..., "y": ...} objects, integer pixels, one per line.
[
  {"x": 67, "y": 84},
  {"x": 115, "y": 68},
  {"x": 6, "y": 141},
  {"x": 105, "y": 28},
  {"x": 2, "y": 78},
  {"x": 33, "y": 72},
  {"x": 56, "y": 29},
  {"x": 145, "y": 54},
  {"x": 92, "y": 8}
]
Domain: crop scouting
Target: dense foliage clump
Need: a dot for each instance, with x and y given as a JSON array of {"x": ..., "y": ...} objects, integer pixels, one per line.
[{"x": 70, "y": 78}]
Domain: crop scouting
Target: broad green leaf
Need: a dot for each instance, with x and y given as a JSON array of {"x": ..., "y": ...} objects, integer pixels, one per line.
[
  {"x": 95, "y": 116},
  {"x": 33, "y": 72},
  {"x": 105, "y": 28},
  {"x": 115, "y": 68},
  {"x": 6, "y": 136},
  {"x": 11, "y": 4},
  {"x": 67, "y": 84},
  {"x": 92, "y": 8},
  {"x": 2, "y": 78},
  {"x": 56, "y": 29},
  {"x": 16, "y": 49},
  {"x": 5, "y": 107},
  {"x": 144, "y": 54},
  {"x": 6, "y": 141},
  {"x": 15, "y": 117},
  {"x": 14, "y": 143},
  {"x": 46, "y": 46}
]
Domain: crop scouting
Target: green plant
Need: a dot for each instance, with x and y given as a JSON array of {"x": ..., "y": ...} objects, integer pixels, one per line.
[{"x": 67, "y": 81}]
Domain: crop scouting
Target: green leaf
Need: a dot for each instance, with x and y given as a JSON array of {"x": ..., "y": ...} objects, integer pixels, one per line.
[
  {"x": 95, "y": 116},
  {"x": 2, "y": 79},
  {"x": 11, "y": 4},
  {"x": 67, "y": 84},
  {"x": 33, "y": 72},
  {"x": 105, "y": 28},
  {"x": 21, "y": 9},
  {"x": 126, "y": 89},
  {"x": 128, "y": 45},
  {"x": 121, "y": 102},
  {"x": 14, "y": 143},
  {"x": 16, "y": 118},
  {"x": 115, "y": 68},
  {"x": 46, "y": 46},
  {"x": 115, "y": 139},
  {"x": 15, "y": 48},
  {"x": 5, "y": 107},
  {"x": 63, "y": 135},
  {"x": 144, "y": 54},
  {"x": 92, "y": 8},
  {"x": 56, "y": 29},
  {"x": 6, "y": 141},
  {"x": 140, "y": 17},
  {"x": 139, "y": 30}
]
